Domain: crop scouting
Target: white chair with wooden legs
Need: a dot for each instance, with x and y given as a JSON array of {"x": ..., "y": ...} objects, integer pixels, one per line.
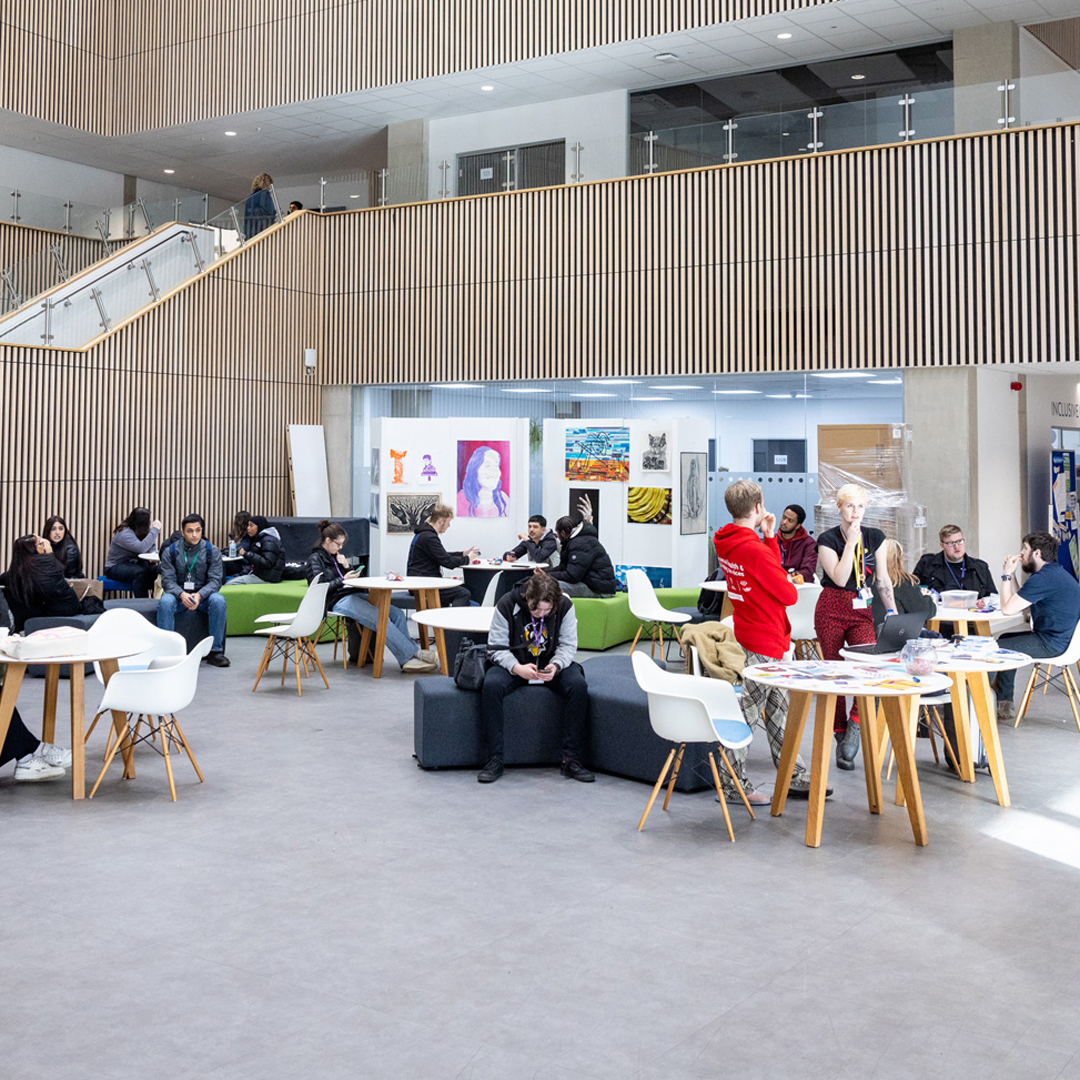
[
  {"x": 295, "y": 640},
  {"x": 686, "y": 709},
  {"x": 1063, "y": 680},
  {"x": 644, "y": 606},
  {"x": 154, "y": 696},
  {"x": 804, "y": 642}
]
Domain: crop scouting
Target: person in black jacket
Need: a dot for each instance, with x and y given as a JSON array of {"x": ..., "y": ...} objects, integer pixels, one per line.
[
  {"x": 538, "y": 544},
  {"x": 34, "y": 584},
  {"x": 585, "y": 569},
  {"x": 907, "y": 590},
  {"x": 428, "y": 557},
  {"x": 953, "y": 568},
  {"x": 264, "y": 555},
  {"x": 65, "y": 550}
]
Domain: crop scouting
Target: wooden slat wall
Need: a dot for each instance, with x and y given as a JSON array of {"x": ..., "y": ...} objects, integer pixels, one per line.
[
  {"x": 114, "y": 68},
  {"x": 25, "y": 251},
  {"x": 185, "y": 409},
  {"x": 1061, "y": 37},
  {"x": 952, "y": 252}
]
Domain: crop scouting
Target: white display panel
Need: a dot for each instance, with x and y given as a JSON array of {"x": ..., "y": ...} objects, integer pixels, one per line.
[{"x": 307, "y": 461}]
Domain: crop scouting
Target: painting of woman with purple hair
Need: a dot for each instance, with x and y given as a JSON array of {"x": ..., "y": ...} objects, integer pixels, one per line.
[{"x": 483, "y": 478}]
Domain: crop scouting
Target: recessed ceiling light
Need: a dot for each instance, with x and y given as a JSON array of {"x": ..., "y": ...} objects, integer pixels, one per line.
[
  {"x": 487, "y": 89},
  {"x": 674, "y": 387},
  {"x": 169, "y": 172},
  {"x": 840, "y": 375},
  {"x": 526, "y": 390},
  {"x": 804, "y": 395},
  {"x": 653, "y": 399},
  {"x": 612, "y": 382},
  {"x": 884, "y": 382},
  {"x": 230, "y": 133},
  {"x": 736, "y": 391},
  {"x": 665, "y": 57},
  {"x": 783, "y": 37},
  {"x": 858, "y": 77},
  {"x": 778, "y": 395}
]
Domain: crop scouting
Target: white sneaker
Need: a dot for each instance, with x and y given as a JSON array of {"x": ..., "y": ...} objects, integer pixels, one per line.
[
  {"x": 430, "y": 656},
  {"x": 419, "y": 666},
  {"x": 37, "y": 768},
  {"x": 54, "y": 755}
]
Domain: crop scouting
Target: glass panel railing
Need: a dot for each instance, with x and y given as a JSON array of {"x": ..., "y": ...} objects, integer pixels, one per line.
[
  {"x": 349, "y": 191},
  {"x": 244, "y": 220},
  {"x": 406, "y": 184}
]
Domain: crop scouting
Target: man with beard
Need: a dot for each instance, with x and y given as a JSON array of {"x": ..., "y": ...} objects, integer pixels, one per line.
[
  {"x": 798, "y": 549},
  {"x": 1054, "y": 598}
]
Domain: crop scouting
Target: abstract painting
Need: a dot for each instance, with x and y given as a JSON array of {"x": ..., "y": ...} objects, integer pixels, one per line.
[
  {"x": 692, "y": 503},
  {"x": 598, "y": 454},
  {"x": 659, "y": 576},
  {"x": 654, "y": 453},
  {"x": 483, "y": 478},
  {"x": 648, "y": 506},
  {"x": 585, "y": 504},
  {"x": 405, "y": 513}
]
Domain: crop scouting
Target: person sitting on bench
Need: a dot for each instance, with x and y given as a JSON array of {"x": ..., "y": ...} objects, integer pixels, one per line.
[{"x": 538, "y": 544}]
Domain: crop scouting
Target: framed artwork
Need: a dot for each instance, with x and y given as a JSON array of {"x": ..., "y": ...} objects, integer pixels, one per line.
[
  {"x": 407, "y": 512},
  {"x": 483, "y": 478},
  {"x": 648, "y": 506},
  {"x": 374, "y": 469},
  {"x": 654, "y": 452},
  {"x": 692, "y": 502},
  {"x": 598, "y": 454},
  {"x": 373, "y": 516},
  {"x": 659, "y": 576},
  {"x": 584, "y": 503}
]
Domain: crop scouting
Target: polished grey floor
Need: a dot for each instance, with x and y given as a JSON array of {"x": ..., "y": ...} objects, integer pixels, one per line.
[{"x": 322, "y": 908}]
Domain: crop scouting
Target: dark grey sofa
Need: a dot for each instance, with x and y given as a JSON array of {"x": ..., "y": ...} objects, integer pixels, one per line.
[{"x": 447, "y": 731}]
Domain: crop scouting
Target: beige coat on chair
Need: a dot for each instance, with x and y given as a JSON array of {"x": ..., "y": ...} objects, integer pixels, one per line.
[{"x": 721, "y": 656}]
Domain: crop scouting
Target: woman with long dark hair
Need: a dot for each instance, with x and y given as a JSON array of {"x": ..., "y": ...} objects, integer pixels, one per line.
[
  {"x": 34, "y": 584},
  {"x": 134, "y": 536},
  {"x": 64, "y": 548}
]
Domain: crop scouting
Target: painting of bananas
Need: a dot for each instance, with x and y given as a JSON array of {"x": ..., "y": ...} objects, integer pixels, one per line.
[{"x": 648, "y": 505}]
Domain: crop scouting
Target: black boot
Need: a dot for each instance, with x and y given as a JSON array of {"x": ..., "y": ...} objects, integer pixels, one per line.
[
  {"x": 492, "y": 770},
  {"x": 352, "y": 641},
  {"x": 848, "y": 747}
]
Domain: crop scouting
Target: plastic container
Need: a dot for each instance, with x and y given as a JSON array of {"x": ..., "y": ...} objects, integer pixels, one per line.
[{"x": 959, "y": 598}]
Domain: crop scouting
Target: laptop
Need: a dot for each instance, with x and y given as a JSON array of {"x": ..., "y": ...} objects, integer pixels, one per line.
[{"x": 894, "y": 631}]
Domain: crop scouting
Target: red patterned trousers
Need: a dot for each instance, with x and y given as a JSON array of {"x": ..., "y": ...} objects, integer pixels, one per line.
[{"x": 837, "y": 624}]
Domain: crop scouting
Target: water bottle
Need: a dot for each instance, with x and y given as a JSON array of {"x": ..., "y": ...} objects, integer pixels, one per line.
[{"x": 232, "y": 549}]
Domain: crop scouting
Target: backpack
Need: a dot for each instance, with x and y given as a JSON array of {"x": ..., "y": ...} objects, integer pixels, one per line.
[
  {"x": 470, "y": 665},
  {"x": 709, "y": 602}
]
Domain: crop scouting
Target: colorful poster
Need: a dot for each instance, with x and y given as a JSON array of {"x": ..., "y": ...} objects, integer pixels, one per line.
[
  {"x": 483, "y": 478},
  {"x": 598, "y": 454},
  {"x": 654, "y": 453},
  {"x": 648, "y": 506},
  {"x": 1063, "y": 508},
  {"x": 692, "y": 501},
  {"x": 659, "y": 576},
  {"x": 406, "y": 513},
  {"x": 398, "y": 458}
]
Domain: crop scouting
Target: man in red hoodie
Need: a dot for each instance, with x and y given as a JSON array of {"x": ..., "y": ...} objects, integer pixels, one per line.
[{"x": 760, "y": 593}]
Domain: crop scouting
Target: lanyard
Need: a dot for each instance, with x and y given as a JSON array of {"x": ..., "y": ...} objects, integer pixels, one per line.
[
  {"x": 191, "y": 565},
  {"x": 963, "y": 570},
  {"x": 538, "y": 635},
  {"x": 861, "y": 571}
]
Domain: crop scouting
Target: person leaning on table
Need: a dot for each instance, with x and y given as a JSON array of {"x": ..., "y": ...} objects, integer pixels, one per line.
[
  {"x": 136, "y": 535},
  {"x": 341, "y": 599},
  {"x": 533, "y": 638},
  {"x": 538, "y": 544},
  {"x": 428, "y": 557}
]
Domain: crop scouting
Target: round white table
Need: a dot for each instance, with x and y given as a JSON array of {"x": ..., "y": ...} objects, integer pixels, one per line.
[
  {"x": 865, "y": 681},
  {"x": 150, "y": 556},
  {"x": 425, "y": 590},
  {"x": 472, "y": 620},
  {"x": 105, "y": 650},
  {"x": 971, "y": 621}
]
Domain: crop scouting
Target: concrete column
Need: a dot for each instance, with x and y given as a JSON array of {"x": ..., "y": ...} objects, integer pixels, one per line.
[
  {"x": 407, "y": 161},
  {"x": 337, "y": 420},
  {"x": 983, "y": 55}
]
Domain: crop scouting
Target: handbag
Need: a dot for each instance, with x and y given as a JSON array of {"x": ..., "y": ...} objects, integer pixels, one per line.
[{"x": 470, "y": 665}]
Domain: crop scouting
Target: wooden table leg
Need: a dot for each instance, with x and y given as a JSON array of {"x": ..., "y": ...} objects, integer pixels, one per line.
[
  {"x": 896, "y": 718},
  {"x": 961, "y": 725},
  {"x": 433, "y": 600},
  {"x": 365, "y": 647},
  {"x": 986, "y": 714},
  {"x": 871, "y": 749},
  {"x": 12, "y": 681},
  {"x": 819, "y": 767},
  {"x": 909, "y": 706},
  {"x": 794, "y": 726},
  {"x": 77, "y": 687},
  {"x": 48, "y": 715},
  {"x": 120, "y": 722},
  {"x": 420, "y": 596},
  {"x": 382, "y": 604}
]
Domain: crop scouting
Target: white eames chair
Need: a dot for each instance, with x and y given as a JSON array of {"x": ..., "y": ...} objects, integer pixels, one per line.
[
  {"x": 296, "y": 637},
  {"x": 801, "y": 616},
  {"x": 685, "y": 709},
  {"x": 155, "y": 697},
  {"x": 1062, "y": 680},
  {"x": 644, "y": 606}
]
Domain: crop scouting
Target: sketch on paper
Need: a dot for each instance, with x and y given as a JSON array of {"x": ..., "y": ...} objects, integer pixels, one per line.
[
  {"x": 648, "y": 506},
  {"x": 374, "y": 469},
  {"x": 585, "y": 505},
  {"x": 373, "y": 517},
  {"x": 654, "y": 455},
  {"x": 405, "y": 513},
  {"x": 483, "y": 478},
  {"x": 428, "y": 473},
  {"x": 598, "y": 454},
  {"x": 659, "y": 576},
  {"x": 692, "y": 502},
  {"x": 398, "y": 458}
]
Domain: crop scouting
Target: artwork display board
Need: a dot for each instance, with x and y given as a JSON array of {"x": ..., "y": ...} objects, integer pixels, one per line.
[
  {"x": 600, "y": 454},
  {"x": 693, "y": 497}
]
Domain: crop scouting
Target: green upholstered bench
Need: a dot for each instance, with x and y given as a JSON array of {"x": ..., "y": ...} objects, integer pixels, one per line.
[
  {"x": 607, "y": 622},
  {"x": 248, "y": 602}
]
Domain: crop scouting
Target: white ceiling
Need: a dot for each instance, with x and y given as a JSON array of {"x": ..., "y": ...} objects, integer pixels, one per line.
[{"x": 333, "y": 135}]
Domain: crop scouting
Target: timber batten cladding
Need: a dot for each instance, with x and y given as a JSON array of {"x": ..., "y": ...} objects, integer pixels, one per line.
[
  {"x": 956, "y": 252},
  {"x": 109, "y": 72}
]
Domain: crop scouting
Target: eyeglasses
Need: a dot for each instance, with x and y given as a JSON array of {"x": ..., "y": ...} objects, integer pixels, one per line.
[{"x": 955, "y": 543}]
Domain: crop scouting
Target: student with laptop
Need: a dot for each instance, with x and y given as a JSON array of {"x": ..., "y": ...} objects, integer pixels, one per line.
[{"x": 907, "y": 588}]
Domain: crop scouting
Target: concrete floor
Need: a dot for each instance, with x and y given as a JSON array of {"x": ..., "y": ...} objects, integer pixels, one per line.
[{"x": 322, "y": 908}]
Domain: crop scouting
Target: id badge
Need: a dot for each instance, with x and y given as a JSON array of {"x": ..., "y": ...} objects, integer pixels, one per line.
[
  {"x": 858, "y": 603},
  {"x": 865, "y": 593},
  {"x": 189, "y": 585}
]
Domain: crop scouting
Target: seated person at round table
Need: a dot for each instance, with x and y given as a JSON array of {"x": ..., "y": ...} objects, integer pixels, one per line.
[
  {"x": 952, "y": 567},
  {"x": 261, "y": 547},
  {"x": 191, "y": 577},
  {"x": 341, "y": 599},
  {"x": 34, "y": 759},
  {"x": 136, "y": 535},
  {"x": 65, "y": 550},
  {"x": 533, "y": 638},
  {"x": 428, "y": 557},
  {"x": 34, "y": 583},
  {"x": 907, "y": 589},
  {"x": 585, "y": 567},
  {"x": 798, "y": 549},
  {"x": 538, "y": 544},
  {"x": 1053, "y": 596}
]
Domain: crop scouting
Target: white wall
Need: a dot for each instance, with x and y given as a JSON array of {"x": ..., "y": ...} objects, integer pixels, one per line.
[
  {"x": 1049, "y": 88},
  {"x": 598, "y": 121}
]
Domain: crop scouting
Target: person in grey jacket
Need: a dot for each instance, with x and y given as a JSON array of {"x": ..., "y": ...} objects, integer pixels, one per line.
[
  {"x": 191, "y": 575},
  {"x": 533, "y": 639},
  {"x": 136, "y": 535},
  {"x": 538, "y": 544}
]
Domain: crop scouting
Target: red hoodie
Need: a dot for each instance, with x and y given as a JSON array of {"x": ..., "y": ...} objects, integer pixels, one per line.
[{"x": 759, "y": 589}]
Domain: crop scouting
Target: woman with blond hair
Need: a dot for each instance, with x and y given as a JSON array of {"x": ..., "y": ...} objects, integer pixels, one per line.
[
  {"x": 260, "y": 210},
  {"x": 854, "y": 566},
  {"x": 910, "y": 599}
]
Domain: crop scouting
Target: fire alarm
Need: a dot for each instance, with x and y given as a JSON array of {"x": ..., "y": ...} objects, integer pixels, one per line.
[{"x": 1017, "y": 386}]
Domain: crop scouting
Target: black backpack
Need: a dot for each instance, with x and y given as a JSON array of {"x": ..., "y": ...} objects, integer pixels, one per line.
[
  {"x": 711, "y": 603},
  {"x": 470, "y": 665}
]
